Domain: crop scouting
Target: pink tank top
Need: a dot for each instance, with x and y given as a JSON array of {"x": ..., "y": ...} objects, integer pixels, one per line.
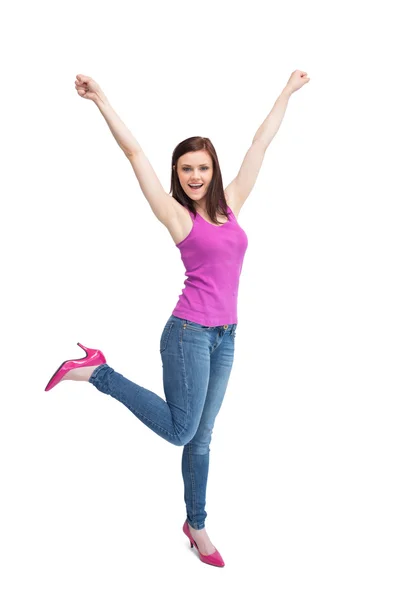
[{"x": 213, "y": 257}]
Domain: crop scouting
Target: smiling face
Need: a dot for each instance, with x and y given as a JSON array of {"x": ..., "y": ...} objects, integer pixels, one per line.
[{"x": 195, "y": 168}]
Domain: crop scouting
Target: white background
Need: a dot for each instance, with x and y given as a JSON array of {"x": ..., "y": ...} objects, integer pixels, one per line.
[{"x": 303, "y": 489}]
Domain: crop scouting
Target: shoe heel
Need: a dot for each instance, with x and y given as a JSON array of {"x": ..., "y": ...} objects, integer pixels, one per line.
[{"x": 87, "y": 350}]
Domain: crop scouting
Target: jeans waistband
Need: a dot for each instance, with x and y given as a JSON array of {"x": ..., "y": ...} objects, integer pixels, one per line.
[{"x": 226, "y": 327}]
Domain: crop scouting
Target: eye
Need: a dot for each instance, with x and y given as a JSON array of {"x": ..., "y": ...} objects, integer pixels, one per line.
[{"x": 188, "y": 168}]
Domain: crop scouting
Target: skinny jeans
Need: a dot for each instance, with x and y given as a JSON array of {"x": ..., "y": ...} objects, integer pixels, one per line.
[{"x": 197, "y": 362}]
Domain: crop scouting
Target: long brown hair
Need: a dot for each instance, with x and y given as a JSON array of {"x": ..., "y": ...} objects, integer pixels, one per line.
[{"x": 215, "y": 202}]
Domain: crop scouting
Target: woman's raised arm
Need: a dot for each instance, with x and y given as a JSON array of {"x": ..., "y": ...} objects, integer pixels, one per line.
[
  {"x": 161, "y": 203},
  {"x": 90, "y": 90},
  {"x": 239, "y": 189}
]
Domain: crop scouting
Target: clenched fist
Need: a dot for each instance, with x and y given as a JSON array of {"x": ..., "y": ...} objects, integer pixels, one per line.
[{"x": 89, "y": 89}]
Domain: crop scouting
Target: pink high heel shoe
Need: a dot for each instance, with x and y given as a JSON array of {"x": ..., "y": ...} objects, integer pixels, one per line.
[
  {"x": 92, "y": 358},
  {"x": 214, "y": 559}
]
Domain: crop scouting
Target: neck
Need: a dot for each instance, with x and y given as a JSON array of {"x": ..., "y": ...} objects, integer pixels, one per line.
[{"x": 201, "y": 205}]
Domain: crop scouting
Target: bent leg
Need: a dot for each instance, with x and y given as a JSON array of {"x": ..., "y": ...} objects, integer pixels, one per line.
[
  {"x": 147, "y": 406},
  {"x": 176, "y": 418}
]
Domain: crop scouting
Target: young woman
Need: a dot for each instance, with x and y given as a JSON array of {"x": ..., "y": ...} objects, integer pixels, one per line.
[{"x": 198, "y": 341}]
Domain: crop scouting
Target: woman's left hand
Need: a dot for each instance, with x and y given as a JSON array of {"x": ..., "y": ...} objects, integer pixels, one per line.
[{"x": 297, "y": 80}]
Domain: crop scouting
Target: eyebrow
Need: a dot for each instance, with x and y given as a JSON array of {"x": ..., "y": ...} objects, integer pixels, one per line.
[{"x": 203, "y": 165}]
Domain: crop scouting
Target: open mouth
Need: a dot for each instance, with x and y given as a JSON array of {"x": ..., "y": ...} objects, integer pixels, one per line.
[{"x": 195, "y": 187}]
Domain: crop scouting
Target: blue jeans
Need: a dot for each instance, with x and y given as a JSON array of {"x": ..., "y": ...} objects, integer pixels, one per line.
[{"x": 197, "y": 362}]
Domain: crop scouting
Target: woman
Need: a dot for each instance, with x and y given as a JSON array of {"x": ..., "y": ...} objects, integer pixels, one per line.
[{"x": 197, "y": 342}]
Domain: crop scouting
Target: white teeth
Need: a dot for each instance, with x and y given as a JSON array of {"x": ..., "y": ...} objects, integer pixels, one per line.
[{"x": 195, "y": 184}]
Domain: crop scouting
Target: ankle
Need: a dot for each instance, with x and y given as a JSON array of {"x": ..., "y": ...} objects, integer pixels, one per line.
[{"x": 192, "y": 529}]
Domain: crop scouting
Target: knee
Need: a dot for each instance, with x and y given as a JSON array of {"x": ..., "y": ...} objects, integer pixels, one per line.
[
  {"x": 200, "y": 447},
  {"x": 186, "y": 436},
  {"x": 199, "y": 439},
  {"x": 202, "y": 440},
  {"x": 200, "y": 444}
]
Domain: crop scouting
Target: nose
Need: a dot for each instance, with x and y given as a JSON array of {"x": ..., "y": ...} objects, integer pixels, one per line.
[{"x": 196, "y": 178}]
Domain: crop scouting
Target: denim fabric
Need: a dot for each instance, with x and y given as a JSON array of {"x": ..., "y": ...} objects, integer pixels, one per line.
[{"x": 197, "y": 362}]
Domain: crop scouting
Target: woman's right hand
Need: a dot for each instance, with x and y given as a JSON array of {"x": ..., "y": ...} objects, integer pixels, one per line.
[{"x": 90, "y": 90}]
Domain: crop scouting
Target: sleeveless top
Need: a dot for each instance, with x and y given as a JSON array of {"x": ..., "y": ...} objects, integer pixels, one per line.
[{"x": 212, "y": 256}]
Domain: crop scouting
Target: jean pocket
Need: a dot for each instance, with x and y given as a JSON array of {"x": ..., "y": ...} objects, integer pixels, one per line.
[{"x": 165, "y": 336}]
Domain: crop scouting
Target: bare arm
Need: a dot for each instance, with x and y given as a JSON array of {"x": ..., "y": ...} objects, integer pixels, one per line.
[
  {"x": 161, "y": 203},
  {"x": 239, "y": 189},
  {"x": 128, "y": 144}
]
